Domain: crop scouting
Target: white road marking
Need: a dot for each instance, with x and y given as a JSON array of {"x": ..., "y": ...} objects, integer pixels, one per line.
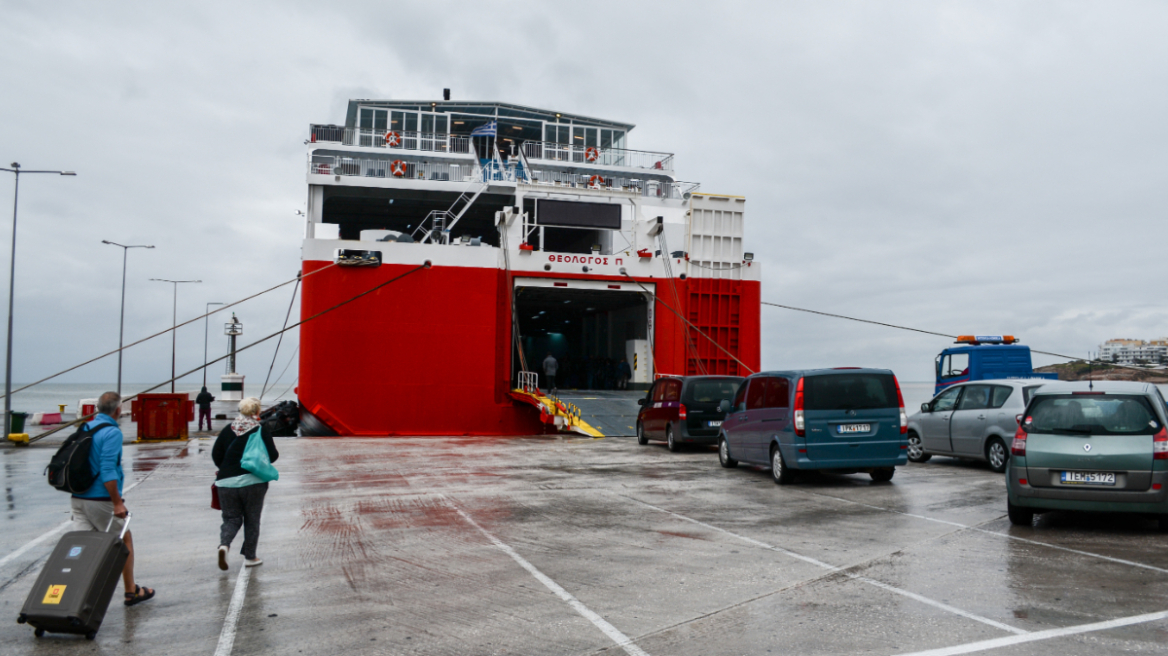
[
  {"x": 856, "y": 577},
  {"x": 983, "y": 645},
  {"x": 231, "y": 622},
  {"x": 64, "y": 525},
  {"x": 609, "y": 630},
  {"x": 1121, "y": 561}
]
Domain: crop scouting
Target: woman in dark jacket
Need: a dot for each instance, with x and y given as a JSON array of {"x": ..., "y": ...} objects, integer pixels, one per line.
[{"x": 241, "y": 494}]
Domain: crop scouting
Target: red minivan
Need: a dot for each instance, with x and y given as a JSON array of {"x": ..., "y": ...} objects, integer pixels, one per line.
[{"x": 685, "y": 410}]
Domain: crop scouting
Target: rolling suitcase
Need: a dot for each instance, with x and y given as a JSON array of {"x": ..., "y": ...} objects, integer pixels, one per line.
[{"x": 74, "y": 589}]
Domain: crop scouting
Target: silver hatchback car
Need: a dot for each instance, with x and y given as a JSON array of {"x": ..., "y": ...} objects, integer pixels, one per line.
[{"x": 975, "y": 420}]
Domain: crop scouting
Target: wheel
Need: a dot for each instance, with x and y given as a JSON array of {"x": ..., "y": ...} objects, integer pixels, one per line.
[
  {"x": 91, "y": 635},
  {"x": 670, "y": 440},
  {"x": 724, "y": 458},
  {"x": 882, "y": 475},
  {"x": 1163, "y": 525},
  {"x": 641, "y": 439},
  {"x": 997, "y": 454},
  {"x": 40, "y": 633},
  {"x": 916, "y": 450},
  {"x": 1019, "y": 516},
  {"x": 782, "y": 474}
]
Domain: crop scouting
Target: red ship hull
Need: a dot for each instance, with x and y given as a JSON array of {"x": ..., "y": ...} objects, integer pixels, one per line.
[{"x": 431, "y": 354}]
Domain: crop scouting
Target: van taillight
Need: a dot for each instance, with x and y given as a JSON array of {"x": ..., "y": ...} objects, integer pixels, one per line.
[
  {"x": 681, "y": 411},
  {"x": 1018, "y": 448},
  {"x": 1160, "y": 445},
  {"x": 800, "y": 426},
  {"x": 900, "y": 402}
]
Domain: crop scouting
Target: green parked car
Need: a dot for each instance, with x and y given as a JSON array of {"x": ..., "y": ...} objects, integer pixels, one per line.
[{"x": 1090, "y": 446}]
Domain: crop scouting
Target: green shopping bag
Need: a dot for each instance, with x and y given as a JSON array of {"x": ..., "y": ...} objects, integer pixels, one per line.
[{"x": 255, "y": 458}]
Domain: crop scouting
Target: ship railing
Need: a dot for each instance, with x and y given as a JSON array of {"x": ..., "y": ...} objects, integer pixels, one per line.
[
  {"x": 649, "y": 188},
  {"x": 369, "y": 167},
  {"x": 529, "y": 382},
  {"x": 637, "y": 159},
  {"x": 392, "y": 140}
]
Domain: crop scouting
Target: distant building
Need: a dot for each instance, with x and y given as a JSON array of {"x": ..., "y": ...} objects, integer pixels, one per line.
[{"x": 1134, "y": 351}]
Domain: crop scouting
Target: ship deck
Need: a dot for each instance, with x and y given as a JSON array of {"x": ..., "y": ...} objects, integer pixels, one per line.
[{"x": 578, "y": 546}]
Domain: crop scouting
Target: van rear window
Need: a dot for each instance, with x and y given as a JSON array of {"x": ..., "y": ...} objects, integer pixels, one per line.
[
  {"x": 849, "y": 392},
  {"x": 712, "y": 390},
  {"x": 1094, "y": 414}
]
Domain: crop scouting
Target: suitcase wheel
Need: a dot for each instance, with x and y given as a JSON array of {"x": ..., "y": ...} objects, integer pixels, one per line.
[
  {"x": 40, "y": 633},
  {"x": 91, "y": 635}
]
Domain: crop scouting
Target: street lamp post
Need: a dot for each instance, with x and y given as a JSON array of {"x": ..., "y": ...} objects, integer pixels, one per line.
[
  {"x": 174, "y": 329},
  {"x": 15, "y": 170},
  {"x": 206, "y": 316},
  {"x": 122, "y": 321}
]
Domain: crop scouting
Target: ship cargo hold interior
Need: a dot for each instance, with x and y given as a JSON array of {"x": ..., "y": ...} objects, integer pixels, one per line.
[{"x": 588, "y": 331}]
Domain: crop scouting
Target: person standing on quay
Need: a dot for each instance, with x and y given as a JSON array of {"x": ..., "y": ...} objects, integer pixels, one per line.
[
  {"x": 203, "y": 400},
  {"x": 241, "y": 493}
]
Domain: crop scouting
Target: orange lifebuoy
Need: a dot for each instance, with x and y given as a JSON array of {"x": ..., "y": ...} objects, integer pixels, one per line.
[
  {"x": 398, "y": 168},
  {"x": 590, "y": 153},
  {"x": 392, "y": 138},
  {"x": 595, "y": 181}
]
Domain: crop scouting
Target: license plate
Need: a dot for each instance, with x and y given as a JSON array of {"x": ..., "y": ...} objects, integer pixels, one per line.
[
  {"x": 1087, "y": 478},
  {"x": 855, "y": 428},
  {"x": 715, "y": 424}
]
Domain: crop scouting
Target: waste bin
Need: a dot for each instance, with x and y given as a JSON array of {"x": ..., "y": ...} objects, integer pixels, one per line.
[{"x": 17, "y": 424}]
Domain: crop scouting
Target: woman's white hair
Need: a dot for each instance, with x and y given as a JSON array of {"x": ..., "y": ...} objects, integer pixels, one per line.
[{"x": 249, "y": 407}]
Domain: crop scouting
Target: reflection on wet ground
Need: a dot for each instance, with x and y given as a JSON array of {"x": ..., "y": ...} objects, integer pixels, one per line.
[{"x": 550, "y": 546}]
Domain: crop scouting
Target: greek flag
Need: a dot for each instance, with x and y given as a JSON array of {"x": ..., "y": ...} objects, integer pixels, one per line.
[{"x": 488, "y": 130}]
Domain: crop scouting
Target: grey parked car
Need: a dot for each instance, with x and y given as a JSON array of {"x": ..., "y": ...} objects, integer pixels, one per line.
[{"x": 975, "y": 420}]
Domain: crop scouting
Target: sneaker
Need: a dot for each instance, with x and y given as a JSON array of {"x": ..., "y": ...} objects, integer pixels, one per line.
[
  {"x": 223, "y": 557},
  {"x": 255, "y": 562}
]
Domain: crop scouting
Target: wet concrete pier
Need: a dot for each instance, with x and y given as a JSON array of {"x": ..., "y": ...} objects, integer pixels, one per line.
[{"x": 578, "y": 546}]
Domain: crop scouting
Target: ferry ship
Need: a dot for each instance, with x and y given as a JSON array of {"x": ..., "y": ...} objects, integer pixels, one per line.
[{"x": 544, "y": 233}]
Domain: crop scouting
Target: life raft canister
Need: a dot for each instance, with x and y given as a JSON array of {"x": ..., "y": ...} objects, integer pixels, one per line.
[
  {"x": 591, "y": 153},
  {"x": 595, "y": 181},
  {"x": 398, "y": 168},
  {"x": 392, "y": 138}
]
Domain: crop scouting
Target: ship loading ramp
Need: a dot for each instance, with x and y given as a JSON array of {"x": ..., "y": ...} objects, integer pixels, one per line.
[{"x": 564, "y": 416}]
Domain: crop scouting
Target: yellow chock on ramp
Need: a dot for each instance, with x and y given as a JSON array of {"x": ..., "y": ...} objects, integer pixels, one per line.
[{"x": 19, "y": 438}]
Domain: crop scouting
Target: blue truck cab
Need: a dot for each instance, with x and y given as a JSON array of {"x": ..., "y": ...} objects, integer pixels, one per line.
[{"x": 984, "y": 357}]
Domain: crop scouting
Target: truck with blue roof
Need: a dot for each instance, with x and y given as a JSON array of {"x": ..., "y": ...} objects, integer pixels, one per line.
[{"x": 984, "y": 357}]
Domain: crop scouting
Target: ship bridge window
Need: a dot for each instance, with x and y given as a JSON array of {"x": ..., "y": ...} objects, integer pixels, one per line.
[{"x": 587, "y": 330}]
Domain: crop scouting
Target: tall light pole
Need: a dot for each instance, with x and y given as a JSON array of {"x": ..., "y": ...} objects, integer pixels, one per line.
[
  {"x": 173, "y": 330},
  {"x": 122, "y": 321},
  {"x": 206, "y": 316},
  {"x": 12, "y": 291}
]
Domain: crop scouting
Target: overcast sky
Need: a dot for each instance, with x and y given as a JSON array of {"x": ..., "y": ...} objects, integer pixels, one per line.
[{"x": 963, "y": 167}]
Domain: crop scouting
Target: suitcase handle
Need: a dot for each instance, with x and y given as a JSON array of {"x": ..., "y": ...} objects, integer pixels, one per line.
[{"x": 124, "y": 526}]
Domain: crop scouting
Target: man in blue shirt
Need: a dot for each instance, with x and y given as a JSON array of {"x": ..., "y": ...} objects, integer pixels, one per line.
[{"x": 101, "y": 507}]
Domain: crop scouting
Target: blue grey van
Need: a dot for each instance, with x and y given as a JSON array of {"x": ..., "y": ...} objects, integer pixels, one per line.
[{"x": 844, "y": 420}]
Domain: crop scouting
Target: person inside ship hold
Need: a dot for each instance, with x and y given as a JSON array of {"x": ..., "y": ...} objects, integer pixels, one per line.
[
  {"x": 549, "y": 373},
  {"x": 241, "y": 480},
  {"x": 203, "y": 400},
  {"x": 626, "y": 372}
]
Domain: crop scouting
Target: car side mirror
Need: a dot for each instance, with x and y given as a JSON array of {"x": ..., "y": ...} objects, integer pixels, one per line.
[
  {"x": 724, "y": 405},
  {"x": 641, "y": 401},
  {"x": 925, "y": 407}
]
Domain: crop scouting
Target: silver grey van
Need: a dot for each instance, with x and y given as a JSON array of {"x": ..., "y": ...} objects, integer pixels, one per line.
[{"x": 974, "y": 420}]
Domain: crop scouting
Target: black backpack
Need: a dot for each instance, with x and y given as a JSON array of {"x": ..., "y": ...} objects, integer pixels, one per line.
[{"x": 69, "y": 470}]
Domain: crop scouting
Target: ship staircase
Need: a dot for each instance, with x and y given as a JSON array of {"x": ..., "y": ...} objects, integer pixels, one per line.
[
  {"x": 566, "y": 417},
  {"x": 435, "y": 228}
]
